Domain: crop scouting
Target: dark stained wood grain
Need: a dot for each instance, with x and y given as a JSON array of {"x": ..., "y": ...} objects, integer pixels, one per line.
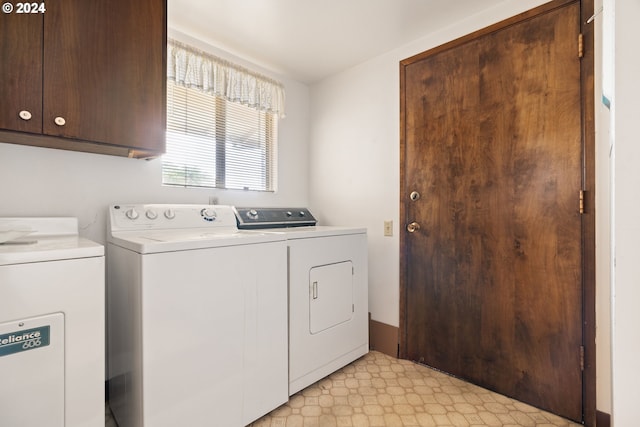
[
  {"x": 99, "y": 65},
  {"x": 492, "y": 138},
  {"x": 21, "y": 71},
  {"x": 105, "y": 72}
]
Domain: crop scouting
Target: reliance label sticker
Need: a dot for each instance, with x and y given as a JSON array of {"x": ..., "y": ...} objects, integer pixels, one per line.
[{"x": 30, "y": 339}]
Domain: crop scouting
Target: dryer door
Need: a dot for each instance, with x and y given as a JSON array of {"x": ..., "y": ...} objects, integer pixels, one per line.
[{"x": 330, "y": 295}]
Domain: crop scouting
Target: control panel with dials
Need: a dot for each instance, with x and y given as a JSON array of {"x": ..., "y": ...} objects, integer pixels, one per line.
[
  {"x": 249, "y": 218},
  {"x": 168, "y": 216}
]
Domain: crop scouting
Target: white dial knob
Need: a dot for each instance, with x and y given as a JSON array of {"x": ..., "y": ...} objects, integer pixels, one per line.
[
  {"x": 25, "y": 115},
  {"x": 132, "y": 214},
  {"x": 60, "y": 121},
  {"x": 169, "y": 214},
  {"x": 151, "y": 214},
  {"x": 253, "y": 214},
  {"x": 208, "y": 214}
]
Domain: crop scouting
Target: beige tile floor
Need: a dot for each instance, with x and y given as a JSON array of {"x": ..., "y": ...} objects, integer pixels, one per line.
[{"x": 380, "y": 391}]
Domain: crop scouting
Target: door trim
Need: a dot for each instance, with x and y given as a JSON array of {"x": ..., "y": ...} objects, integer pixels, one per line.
[{"x": 588, "y": 182}]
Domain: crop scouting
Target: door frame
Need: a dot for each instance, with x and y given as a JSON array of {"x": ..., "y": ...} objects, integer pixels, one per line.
[{"x": 588, "y": 185}]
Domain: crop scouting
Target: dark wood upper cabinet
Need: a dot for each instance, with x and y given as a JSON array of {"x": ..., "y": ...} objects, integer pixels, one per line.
[
  {"x": 91, "y": 74},
  {"x": 21, "y": 72}
]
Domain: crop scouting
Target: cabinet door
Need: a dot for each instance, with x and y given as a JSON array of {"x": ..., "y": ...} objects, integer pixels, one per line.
[
  {"x": 104, "y": 72},
  {"x": 21, "y": 72}
]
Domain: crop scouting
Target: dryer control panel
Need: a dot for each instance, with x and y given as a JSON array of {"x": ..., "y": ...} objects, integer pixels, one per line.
[{"x": 273, "y": 217}]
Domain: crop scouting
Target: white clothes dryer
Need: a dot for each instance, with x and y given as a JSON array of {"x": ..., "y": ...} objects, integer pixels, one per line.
[
  {"x": 52, "y": 355},
  {"x": 328, "y": 291},
  {"x": 197, "y": 317}
]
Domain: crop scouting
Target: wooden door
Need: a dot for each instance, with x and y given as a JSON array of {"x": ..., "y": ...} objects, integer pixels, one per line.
[
  {"x": 105, "y": 72},
  {"x": 21, "y": 72},
  {"x": 492, "y": 146}
]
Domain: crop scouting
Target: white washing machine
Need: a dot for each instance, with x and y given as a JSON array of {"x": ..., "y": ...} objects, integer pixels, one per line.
[
  {"x": 52, "y": 355},
  {"x": 197, "y": 317},
  {"x": 328, "y": 291}
]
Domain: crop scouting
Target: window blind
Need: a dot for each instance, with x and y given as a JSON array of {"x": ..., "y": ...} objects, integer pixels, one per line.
[{"x": 216, "y": 138}]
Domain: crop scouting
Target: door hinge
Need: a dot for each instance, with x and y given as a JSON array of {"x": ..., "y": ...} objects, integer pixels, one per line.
[
  {"x": 582, "y": 358},
  {"x": 581, "y": 201},
  {"x": 580, "y": 45}
]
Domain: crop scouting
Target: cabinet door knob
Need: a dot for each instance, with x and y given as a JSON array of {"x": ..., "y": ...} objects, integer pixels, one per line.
[
  {"x": 25, "y": 115},
  {"x": 60, "y": 121}
]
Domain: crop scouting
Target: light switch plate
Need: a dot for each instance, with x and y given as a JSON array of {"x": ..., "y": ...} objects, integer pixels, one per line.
[{"x": 388, "y": 228}]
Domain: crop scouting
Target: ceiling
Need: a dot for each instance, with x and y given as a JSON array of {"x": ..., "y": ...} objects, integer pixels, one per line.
[{"x": 309, "y": 40}]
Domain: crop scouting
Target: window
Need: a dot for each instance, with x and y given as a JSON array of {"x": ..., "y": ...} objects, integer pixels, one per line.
[{"x": 222, "y": 124}]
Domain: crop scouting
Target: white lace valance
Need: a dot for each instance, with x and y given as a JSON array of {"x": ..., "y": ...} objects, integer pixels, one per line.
[{"x": 191, "y": 67}]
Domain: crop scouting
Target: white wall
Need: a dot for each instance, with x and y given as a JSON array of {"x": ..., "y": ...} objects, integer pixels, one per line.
[
  {"x": 46, "y": 182},
  {"x": 626, "y": 205}
]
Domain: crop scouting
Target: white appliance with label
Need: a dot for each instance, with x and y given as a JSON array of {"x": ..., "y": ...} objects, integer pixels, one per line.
[
  {"x": 197, "y": 317},
  {"x": 328, "y": 291},
  {"x": 52, "y": 353}
]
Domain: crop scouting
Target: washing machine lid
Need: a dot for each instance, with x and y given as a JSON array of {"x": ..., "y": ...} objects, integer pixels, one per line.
[
  {"x": 35, "y": 239},
  {"x": 149, "y": 242}
]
